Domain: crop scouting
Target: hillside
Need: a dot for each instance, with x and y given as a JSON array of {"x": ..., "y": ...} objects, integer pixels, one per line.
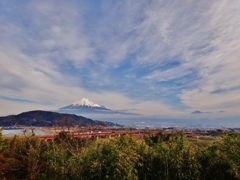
[{"x": 48, "y": 119}]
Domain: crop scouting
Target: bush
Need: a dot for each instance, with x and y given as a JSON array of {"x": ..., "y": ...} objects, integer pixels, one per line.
[{"x": 153, "y": 157}]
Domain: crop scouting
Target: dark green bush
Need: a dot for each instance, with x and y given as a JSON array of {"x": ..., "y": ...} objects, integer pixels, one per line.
[{"x": 153, "y": 157}]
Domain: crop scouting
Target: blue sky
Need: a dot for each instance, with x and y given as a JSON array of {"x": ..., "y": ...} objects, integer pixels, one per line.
[{"x": 157, "y": 58}]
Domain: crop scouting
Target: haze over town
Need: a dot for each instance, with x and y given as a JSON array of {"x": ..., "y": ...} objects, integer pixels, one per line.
[{"x": 175, "y": 60}]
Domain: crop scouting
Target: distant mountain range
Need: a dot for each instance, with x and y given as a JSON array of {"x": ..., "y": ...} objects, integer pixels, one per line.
[
  {"x": 86, "y": 106},
  {"x": 48, "y": 119}
]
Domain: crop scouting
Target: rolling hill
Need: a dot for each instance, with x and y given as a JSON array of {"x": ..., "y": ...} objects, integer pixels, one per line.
[{"x": 40, "y": 118}]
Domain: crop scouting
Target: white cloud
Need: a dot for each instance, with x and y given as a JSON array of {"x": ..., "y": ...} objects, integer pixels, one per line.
[
  {"x": 62, "y": 31},
  {"x": 116, "y": 101},
  {"x": 219, "y": 69},
  {"x": 30, "y": 56},
  {"x": 169, "y": 74},
  {"x": 10, "y": 108},
  {"x": 202, "y": 36}
]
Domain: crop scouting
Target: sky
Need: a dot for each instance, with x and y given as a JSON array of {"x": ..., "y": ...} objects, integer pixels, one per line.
[{"x": 165, "y": 59}]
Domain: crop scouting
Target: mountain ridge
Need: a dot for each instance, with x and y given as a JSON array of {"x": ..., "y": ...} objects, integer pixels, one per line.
[{"x": 40, "y": 118}]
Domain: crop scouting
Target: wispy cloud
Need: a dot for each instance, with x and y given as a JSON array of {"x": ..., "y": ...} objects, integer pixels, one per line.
[
  {"x": 218, "y": 69},
  {"x": 155, "y": 55}
]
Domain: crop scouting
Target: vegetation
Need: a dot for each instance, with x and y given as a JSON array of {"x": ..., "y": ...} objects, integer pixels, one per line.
[
  {"x": 153, "y": 157},
  {"x": 48, "y": 119}
]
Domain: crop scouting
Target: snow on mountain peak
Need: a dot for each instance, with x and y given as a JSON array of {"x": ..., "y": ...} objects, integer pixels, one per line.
[{"x": 85, "y": 102}]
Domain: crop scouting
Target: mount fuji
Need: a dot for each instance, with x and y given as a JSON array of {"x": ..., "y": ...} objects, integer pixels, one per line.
[{"x": 85, "y": 106}]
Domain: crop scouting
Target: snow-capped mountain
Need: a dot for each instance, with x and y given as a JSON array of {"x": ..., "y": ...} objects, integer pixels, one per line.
[
  {"x": 85, "y": 102},
  {"x": 85, "y": 106}
]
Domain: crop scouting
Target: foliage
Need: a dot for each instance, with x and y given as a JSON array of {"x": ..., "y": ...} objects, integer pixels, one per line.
[{"x": 158, "y": 156}]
